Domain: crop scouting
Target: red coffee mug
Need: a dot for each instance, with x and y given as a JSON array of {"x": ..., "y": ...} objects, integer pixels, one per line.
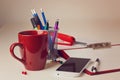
[{"x": 33, "y": 48}]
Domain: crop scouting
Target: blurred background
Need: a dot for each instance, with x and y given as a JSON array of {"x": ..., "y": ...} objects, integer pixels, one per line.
[
  {"x": 76, "y": 16},
  {"x": 86, "y": 20}
]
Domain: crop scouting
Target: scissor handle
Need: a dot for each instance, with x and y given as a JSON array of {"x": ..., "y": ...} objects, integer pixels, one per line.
[{"x": 67, "y": 38}]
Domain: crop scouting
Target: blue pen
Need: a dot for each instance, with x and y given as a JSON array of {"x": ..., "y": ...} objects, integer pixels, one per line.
[
  {"x": 49, "y": 40},
  {"x": 43, "y": 16},
  {"x": 37, "y": 19}
]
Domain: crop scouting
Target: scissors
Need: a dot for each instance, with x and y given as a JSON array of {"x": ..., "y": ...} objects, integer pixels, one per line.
[{"x": 68, "y": 40}]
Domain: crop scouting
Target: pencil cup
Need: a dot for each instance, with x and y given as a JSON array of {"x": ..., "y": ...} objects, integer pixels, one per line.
[{"x": 52, "y": 44}]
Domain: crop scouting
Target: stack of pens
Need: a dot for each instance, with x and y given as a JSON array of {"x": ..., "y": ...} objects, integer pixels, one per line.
[
  {"x": 52, "y": 32},
  {"x": 36, "y": 22}
]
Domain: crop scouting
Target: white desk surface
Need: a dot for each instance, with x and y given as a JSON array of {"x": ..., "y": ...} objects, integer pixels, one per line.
[{"x": 10, "y": 69}]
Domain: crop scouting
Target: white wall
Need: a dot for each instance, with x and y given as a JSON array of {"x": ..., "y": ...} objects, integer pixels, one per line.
[
  {"x": 66, "y": 9},
  {"x": 82, "y": 14}
]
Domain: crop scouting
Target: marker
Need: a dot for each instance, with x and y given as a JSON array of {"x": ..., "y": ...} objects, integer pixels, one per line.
[
  {"x": 56, "y": 24},
  {"x": 96, "y": 66},
  {"x": 55, "y": 31},
  {"x": 33, "y": 22},
  {"x": 43, "y": 16},
  {"x": 46, "y": 27}
]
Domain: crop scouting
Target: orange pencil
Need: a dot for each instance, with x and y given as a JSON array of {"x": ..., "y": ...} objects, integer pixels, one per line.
[{"x": 38, "y": 27}]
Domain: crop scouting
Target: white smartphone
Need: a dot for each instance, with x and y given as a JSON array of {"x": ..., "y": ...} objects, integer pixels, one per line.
[{"x": 73, "y": 67}]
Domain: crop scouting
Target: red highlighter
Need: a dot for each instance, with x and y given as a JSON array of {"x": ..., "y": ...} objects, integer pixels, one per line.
[{"x": 68, "y": 40}]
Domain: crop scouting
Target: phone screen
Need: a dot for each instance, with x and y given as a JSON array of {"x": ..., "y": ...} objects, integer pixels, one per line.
[{"x": 74, "y": 65}]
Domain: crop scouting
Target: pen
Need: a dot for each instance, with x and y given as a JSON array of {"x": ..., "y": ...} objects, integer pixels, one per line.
[
  {"x": 46, "y": 27},
  {"x": 43, "y": 16},
  {"x": 38, "y": 27},
  {"x": 94, "y": 68},
  {"x": 55, "y": 31},
  {"x": 49, "y": 39},
  {"x": 37, "y": 19},
  {"x": 56, "y": 24},
  {"x": 33, "y": 23}
]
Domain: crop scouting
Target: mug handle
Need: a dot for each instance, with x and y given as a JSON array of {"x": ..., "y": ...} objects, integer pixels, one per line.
[{"x": 12, "y": 47}]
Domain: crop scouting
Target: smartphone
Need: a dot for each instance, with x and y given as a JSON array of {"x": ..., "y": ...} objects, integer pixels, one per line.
[{"x": 73, "y": 67}]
